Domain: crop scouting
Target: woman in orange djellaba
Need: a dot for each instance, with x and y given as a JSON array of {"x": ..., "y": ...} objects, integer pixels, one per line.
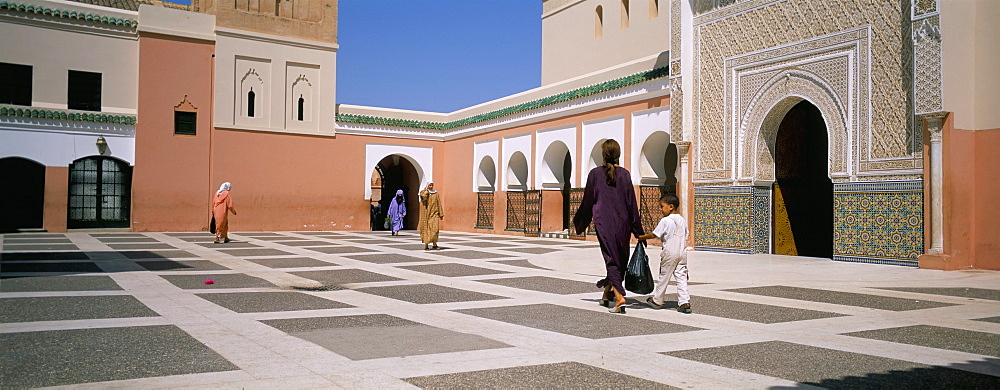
[{"x": 221, "y": 207}]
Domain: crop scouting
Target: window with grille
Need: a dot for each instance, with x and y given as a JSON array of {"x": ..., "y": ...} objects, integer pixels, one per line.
[
  {"x": 185, "y": 122},
  {"x": 484, "y": 210}
]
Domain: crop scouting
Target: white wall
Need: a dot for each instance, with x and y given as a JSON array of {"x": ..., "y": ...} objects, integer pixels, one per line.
[
  {"x": 480, "y": 179},
  {"x": 645, "y": 124},
  {"x": 54, "y": 46},
  {"x": 422, "y": 159},
  {"x": 282, "y": 67},
  {"x": 550, "y": 148},
  {"x": 511, "y": 145},
  {"x": 970, "y": 60},
  {"x": 569, "y": 48},
  {"x": 60, "y": 148},
  {"x": 594, "y": 134}
]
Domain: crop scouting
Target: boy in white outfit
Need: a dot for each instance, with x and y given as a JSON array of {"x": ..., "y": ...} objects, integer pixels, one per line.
[{"x": 672, "y": 231}]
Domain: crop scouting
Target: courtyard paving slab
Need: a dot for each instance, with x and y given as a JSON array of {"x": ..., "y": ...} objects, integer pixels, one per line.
[{"x": 360, "y": 310}]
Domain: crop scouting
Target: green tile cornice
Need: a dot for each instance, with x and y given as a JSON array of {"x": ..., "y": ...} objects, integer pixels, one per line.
[
  {"x": 57, "y": 13},
  {"x": 578, "y": 93},
  {"x": 76, "y": 116}
]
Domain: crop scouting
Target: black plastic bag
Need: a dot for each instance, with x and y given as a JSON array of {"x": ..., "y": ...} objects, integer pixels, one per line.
[
  {"x": 211, "y": 226},
  {"x": 638, "y": 278}
]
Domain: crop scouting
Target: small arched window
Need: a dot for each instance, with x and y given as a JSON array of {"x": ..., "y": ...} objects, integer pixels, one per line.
[
  {"x": 302, "y": 106},
  {"x": 625, "y": 12},
  {"x": 251, "y": 102},
  {"x": 598, "y": 22}
]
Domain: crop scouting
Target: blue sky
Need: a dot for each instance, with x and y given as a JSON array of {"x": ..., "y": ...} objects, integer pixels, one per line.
[{"x": 436, "y": 55}]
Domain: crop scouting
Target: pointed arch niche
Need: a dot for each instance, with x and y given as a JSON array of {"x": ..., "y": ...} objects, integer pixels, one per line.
[
  {"x": 302, "y": 97},
  {"x": 252, "y": 92}
]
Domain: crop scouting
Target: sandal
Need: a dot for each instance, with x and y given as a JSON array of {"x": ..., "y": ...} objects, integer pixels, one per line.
[
  {"x": 620, "y": 309},
  {"x": 649, "y": 301}
]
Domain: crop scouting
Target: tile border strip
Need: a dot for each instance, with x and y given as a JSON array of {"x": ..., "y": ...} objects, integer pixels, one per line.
[{"x": 64, "y": 14}]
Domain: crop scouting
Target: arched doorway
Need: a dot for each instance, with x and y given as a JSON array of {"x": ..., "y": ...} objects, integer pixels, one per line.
[
  {"x": 100, "y": 193},
  {"x": 803, "y": 191},
  {"x": 22, "y": 201},
  {"x": 394, "y": 173}
]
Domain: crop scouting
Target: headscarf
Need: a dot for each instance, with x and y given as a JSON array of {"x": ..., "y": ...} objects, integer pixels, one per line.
[
  {"x": 397, "y": 205},
  {"x": 224, "y": 187},
  {"x": 429, "y": 191}
]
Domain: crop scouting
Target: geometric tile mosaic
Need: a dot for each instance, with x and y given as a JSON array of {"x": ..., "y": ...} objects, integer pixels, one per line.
[
  {"x": 723, "y": 217},
  {"x": 879, "y": 222}
]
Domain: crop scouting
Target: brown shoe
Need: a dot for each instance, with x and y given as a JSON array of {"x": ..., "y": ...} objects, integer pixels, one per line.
[{"x": 685, "y": 308}]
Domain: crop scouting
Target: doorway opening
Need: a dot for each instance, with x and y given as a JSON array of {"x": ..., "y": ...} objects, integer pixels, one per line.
[
  {"x": 802, "y": 191},
  {"x": 100, "y": 193},
  {"x": 394, "y": 173},
  {"x": 22, "y": 202}
]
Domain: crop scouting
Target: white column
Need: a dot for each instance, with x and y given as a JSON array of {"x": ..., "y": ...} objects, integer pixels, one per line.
[
  {"x": 685, "y": 181},
  {"x": 934, "y": 123}
]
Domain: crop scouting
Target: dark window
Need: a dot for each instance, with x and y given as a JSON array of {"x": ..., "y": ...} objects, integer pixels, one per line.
[
  {"x": 84, "y": 91},
  {"x": 15, "y": 84},
  {"x": 302, "y": 105},
  {"x": 250, "y": 102},
  {"x": 185, "y": 122}
]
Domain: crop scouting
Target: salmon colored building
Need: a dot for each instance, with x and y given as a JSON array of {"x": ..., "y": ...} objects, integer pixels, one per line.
[{"x": 862, "y": 131}]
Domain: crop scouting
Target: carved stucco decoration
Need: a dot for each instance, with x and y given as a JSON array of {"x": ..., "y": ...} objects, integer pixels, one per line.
[
  {"x": 927, "y": 87},
  {"x": 760, "y": 124},
  {"x": 831, "y": 72},
  {"x": 886, "y": 143}
]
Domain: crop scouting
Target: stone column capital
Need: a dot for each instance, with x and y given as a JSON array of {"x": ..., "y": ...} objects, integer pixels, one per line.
[
  {"x": 682, "y": 149},
  {"x": 934, "y": 121}
]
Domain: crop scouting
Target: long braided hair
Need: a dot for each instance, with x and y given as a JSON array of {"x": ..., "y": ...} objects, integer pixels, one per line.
[{"x": 611, "y": 152}]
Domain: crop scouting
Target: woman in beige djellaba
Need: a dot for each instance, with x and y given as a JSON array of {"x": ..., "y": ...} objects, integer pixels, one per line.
[{"x": 431, "y": 215}]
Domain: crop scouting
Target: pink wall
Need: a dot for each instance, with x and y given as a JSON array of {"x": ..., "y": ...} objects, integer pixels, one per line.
[
  {"x": 171, "y": 178},
  {"x": 971, "y": 187},
  {"x": 987, "y": 225},
  {"x": 298, "y": 182},
  {"x": 56, "y": 202}
]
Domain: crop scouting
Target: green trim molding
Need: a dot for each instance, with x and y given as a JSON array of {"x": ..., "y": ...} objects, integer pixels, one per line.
[
  {"x": 56, "y": 13},
  {"x": 578, "y": 93},
  {"x": 42, "y": 113}
]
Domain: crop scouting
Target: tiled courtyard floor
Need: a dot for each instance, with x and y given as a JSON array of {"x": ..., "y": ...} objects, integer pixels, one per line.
[{"x": 366, "y": 310}]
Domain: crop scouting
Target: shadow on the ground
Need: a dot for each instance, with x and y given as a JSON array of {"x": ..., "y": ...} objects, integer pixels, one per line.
[{"x": 953, "y": 376}]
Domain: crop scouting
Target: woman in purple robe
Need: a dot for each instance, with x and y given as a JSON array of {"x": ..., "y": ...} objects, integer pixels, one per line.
[
  {"x": 397, "y": 210},
  {"x": 609, "y": 200}
]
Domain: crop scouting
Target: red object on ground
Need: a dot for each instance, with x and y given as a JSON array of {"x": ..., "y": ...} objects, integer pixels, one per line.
[{"x": 210, "y": 281}]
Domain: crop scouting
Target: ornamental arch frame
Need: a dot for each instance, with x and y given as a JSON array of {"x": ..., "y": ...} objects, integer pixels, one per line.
[{"x": 758, "y": 125}]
